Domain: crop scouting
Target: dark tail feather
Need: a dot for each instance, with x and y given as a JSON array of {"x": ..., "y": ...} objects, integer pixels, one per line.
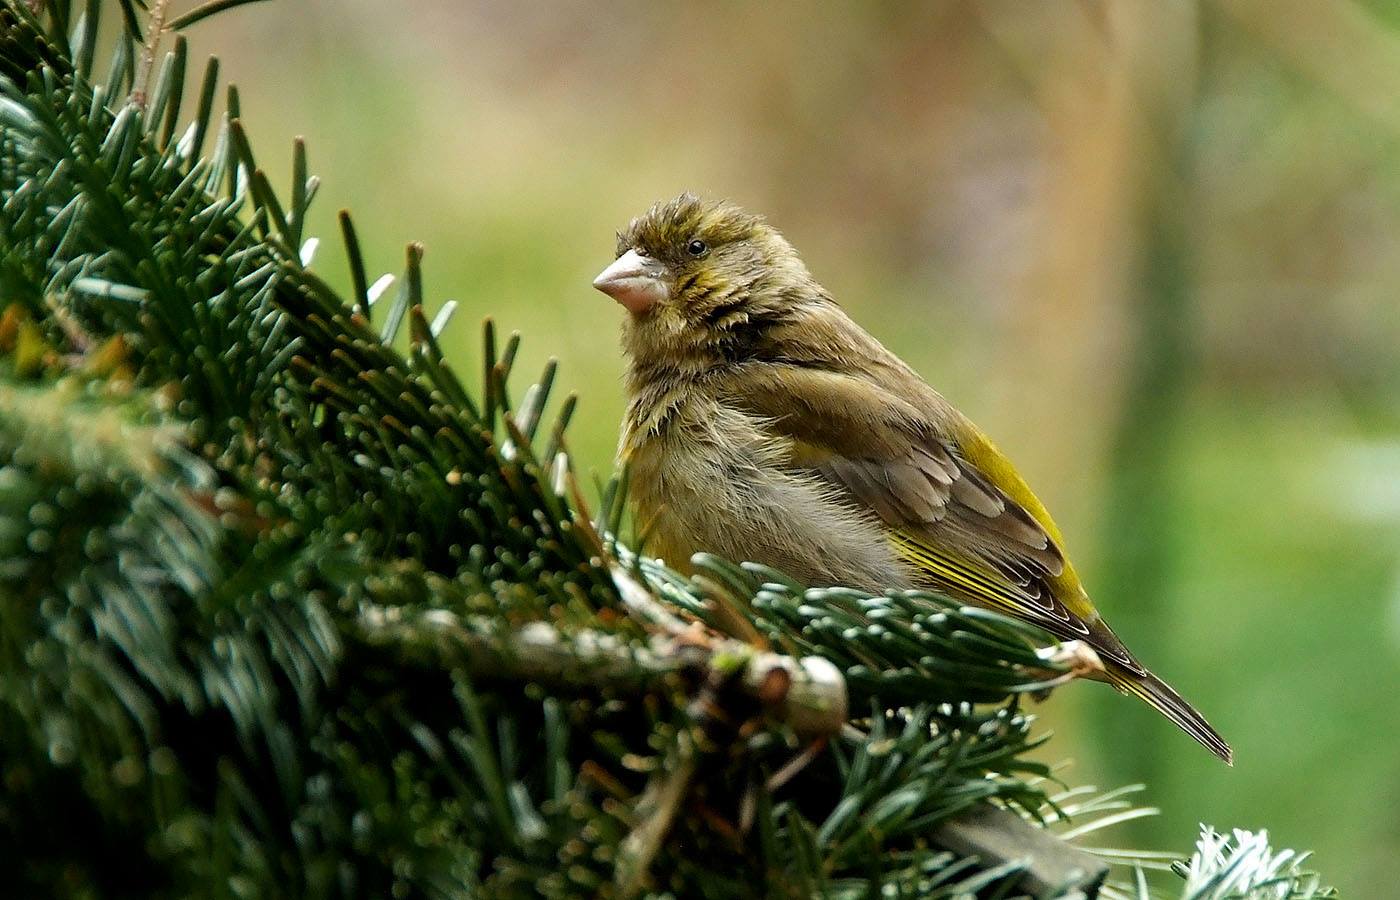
[{"x": 1168, "y": 702}]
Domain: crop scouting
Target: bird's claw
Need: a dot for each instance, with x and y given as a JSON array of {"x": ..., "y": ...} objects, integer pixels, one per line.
[
  {"x": 1070, "y": 660},
  {"x": 1077, "y": 656}
]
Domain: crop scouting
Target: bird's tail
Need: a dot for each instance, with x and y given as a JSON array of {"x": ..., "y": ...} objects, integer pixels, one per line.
[{"x": 1160, "y": 696}]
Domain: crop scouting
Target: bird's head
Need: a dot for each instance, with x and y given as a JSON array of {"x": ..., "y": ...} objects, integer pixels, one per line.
[{"x": 695, "y": 275}]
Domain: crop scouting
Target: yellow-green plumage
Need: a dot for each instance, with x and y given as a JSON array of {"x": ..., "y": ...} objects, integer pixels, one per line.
[{"x": 764, "y": 424}]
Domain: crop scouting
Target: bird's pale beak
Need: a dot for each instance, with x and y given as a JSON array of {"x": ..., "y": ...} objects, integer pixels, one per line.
[{"x": 637, "y": 282}]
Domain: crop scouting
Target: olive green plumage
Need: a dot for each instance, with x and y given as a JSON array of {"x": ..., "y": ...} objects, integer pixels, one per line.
[{"x": 764, "y": 424}]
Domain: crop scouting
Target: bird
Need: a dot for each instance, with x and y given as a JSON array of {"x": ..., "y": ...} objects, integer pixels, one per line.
[{"x": 763, "y": 424}]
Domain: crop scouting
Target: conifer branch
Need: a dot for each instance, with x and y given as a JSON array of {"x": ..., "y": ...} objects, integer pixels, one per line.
[
  {"x": 285, "y": 609},
  {"x": 807, "y": 694}
]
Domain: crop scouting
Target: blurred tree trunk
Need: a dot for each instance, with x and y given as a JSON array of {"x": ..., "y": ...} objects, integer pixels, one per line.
[
  {"x": 1141, "y": 529},
  {"x": 1141, "y": 526},
  {"x": 1107, "y": 330}
]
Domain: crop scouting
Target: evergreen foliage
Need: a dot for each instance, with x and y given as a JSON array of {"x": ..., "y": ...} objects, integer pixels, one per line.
[{"x": 285, "y": 611}]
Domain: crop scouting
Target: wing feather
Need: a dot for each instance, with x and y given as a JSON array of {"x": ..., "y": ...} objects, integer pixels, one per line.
[{"x": 947, "y": 517}]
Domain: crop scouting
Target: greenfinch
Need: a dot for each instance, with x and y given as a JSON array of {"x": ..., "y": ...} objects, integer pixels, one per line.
[{"x": 764, "y": 424}]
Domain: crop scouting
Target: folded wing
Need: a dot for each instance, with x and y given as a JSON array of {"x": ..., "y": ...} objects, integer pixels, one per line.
[{"x": 961, "y": 531}]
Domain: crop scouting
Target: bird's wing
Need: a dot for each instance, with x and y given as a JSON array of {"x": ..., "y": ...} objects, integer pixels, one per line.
[{"x": 955, "y": 508}]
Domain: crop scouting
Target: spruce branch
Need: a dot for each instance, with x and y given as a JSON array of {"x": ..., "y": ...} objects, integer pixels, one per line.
[
  {"x": 288, "y": 610},
  {"x": 808, "y": 694},
  {"x": 1243, "y": 866}
]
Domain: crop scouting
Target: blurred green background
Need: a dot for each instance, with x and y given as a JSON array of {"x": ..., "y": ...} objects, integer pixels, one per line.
[{"x": 1154, "y": 249}]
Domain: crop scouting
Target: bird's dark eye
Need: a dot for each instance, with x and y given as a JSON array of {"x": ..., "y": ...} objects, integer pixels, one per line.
[{"x": 697, "y": 248}]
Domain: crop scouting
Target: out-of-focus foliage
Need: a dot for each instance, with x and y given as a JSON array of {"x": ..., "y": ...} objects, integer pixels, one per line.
[
  {"x": 289, "y": 611},
  {"x": 968, "y": 178}
]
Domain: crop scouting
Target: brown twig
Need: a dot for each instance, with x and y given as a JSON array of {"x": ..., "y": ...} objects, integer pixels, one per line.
[
  {"x": 656, "y": 811},
  {"x": 808, "y": 695},
  {"x": 995, "y": 835},
  {"x": 140, "y": 85}
]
